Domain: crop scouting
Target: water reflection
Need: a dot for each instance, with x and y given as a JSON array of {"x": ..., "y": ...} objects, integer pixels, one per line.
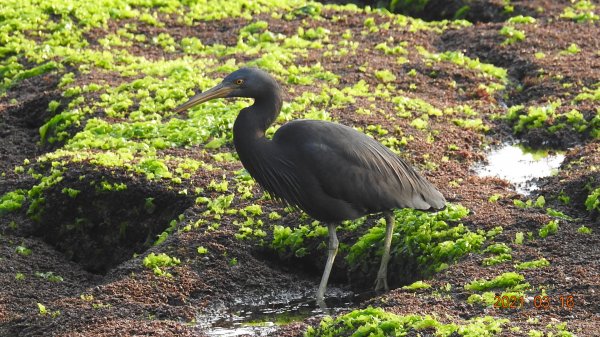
[{"x": 520, "y": 166}]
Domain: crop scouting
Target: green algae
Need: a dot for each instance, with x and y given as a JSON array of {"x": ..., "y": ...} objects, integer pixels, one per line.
[
  {"x": 509, "y": 281},
  {"x": 427, "y": 238},
  {"x": 592, "y": 202},
  {"x": 550, "y": 228},
  {"x": 377, "y": 322},
  {"x": 158, "y": 262},
  {"x": 418, "y": 285},
  {"x": 12, "y": 201},
  {"x": 532, "y": 264}
]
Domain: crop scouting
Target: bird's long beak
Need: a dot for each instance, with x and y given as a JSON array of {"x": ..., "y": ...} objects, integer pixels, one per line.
[{"x": 219, "y": 91}]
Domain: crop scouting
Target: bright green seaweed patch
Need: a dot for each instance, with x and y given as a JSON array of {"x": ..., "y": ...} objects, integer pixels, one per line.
[
  {"x": 418, "y": 285},
  {"x": 406, "y": 106},
  {"x": 162, "y": 260},
  {"x": 376, "y": 322},
  {"x": 522, "y": 19},
  {"x": 287, "y": 239},
  {"x": 12, "y": 201},
  {"x": 460, "y": 59},
  {"x": 496, "y": 259},
  {"x": 548, "y": 117},
  {"x": 592, "y": 202},
  {"x": 474, "y": 124},
  {"x": 11, "y": 76},
  {"x": 22, "y": 250},
  {"x": 512, "y": 34},
  {"x": 580, "y": 11},
  {"x": 550, "y": 228},
  {"x": 487, "y": 298},
  {"x": 510, "y": 281},
  {"x": 533, "y": 264},
  {"x": 589, "y": 94},
  {"x": 500, "y": 253},
  {"x": 126, "y": 124},
  {"x": 426, "y": 238}
]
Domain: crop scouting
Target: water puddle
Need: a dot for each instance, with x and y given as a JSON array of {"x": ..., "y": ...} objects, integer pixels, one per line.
[
  {"x": 263, "y": 319},
  {"x": 519, "y": 165},
  {"x": 259, "y": 321}
]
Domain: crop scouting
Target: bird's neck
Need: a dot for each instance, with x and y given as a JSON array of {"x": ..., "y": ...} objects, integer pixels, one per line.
[{"x": 252, "y": 122}]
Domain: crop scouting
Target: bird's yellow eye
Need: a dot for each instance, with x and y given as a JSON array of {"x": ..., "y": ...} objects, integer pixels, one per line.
[{"x": 239, "y": 81}]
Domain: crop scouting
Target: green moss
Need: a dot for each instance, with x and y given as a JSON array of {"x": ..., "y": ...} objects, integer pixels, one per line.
[
  {"x": 71, "y": 192},
  {"x": 498, "y": 248},
  {"x": 534, "y": 118},
  {"x": 521, "y": 19},
  {"x": 496, "y": 259},
  {"x": 519, "y": 238},
  {"x": 589, "y": 94},
  {"x": 584, "y": 230},
  {"x": 158, "y": 262},
  {"x": 572, "y": 49},
  {"x": 418, "y": 285},
  {"x": 592, "y": 202},
  {"x": 508, "y": 280},
  {"x": 460, "y": 59},
  {"x": 427, "y": 238},
  {"x": 501, "y": 253},
  {"x": 419, "y": 123},
  {"x": 487, "y": 298},
  {"x": 532, "y": 264},
  {"x": 22, "y": 250},
  {"x": 581, "y": 11},
  {"x": 550, "y": 228},
  {"x": 290, "y": 242},
  {"x": 10, "y": 78},
  {"x": 12, "y": 201},
  {"x": 376, "y": 322},
  {"x": 495, "y": 197},
  {"x": 406, "y": 107},
  {"x": 474, "y": 124},
  {"x": 385, "y": 76},
  {"x": 512, "y": 34},
  {"x": 554, "y": 118}
]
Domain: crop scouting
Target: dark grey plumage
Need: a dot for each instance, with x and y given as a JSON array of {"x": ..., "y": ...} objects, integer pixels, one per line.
[
  {"x": 330, "y": 171},
  {"x": 335, "y": 173}
]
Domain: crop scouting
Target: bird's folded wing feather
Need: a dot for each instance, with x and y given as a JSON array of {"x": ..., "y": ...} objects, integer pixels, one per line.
[{"x": 357, "y": 169}]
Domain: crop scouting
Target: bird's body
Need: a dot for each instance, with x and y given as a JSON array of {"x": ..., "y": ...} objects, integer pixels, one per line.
[
  {"x": 322, "y": 168},
  {"x": 330, "y": 171}
]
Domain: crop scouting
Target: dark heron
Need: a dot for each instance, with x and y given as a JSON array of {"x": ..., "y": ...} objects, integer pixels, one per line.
[{"x": 330, "y": 171}]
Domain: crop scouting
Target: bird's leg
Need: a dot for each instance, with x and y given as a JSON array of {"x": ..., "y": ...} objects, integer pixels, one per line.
[
  {"x": 331, "y": 252},
  {"x": 381, "y": 282}
]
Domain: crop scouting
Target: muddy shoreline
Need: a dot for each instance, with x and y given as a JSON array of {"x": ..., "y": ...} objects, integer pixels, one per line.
[{"x": 102, "y": 174}]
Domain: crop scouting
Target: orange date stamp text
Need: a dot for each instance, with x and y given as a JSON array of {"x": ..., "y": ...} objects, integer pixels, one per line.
[{"x": 543, "y": 302}]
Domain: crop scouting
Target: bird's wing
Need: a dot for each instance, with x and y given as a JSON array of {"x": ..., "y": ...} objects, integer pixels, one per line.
[
  {"x": 355, "y": 168},
  {"x": 278, "y": 177},
  {"x": 276, "y": 173}
]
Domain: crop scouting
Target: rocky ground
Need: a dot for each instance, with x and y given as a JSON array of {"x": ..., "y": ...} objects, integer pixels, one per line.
[{"x": 118, "y": 217}]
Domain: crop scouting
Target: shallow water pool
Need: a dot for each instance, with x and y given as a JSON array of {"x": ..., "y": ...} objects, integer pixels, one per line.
[{"x": 520, "y": 166}]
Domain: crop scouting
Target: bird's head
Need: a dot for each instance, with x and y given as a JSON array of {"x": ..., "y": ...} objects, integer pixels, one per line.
[{"x": 244, "y": 82}]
